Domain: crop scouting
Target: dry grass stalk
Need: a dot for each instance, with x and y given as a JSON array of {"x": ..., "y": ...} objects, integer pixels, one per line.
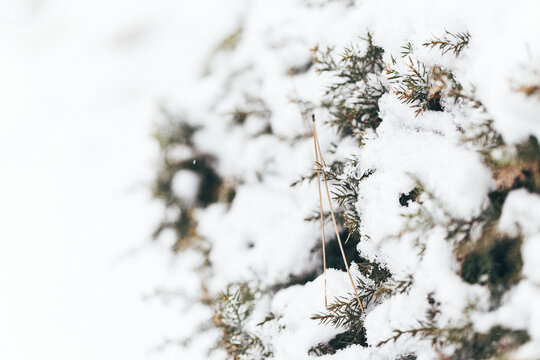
[
  {"x": 320, "y": 167},
  {"x": 317, "y": 164}
]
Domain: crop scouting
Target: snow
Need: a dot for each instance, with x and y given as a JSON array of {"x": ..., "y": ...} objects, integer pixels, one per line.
[
  {"x": 262, "y": 235},
  {"x": 185, "y": 184},
  {"x": 521, "y": 216},
  {"x": 296, "y": 304},
  {"x": 81, "y": 86},
  {"x": 272, "y": 232}
]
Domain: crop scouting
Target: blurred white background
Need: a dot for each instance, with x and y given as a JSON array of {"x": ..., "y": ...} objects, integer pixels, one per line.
[{"x": 80, "y": 82}]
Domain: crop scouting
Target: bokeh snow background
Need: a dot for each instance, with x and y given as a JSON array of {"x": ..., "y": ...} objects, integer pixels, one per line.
[{"x": 80, "y": 82}]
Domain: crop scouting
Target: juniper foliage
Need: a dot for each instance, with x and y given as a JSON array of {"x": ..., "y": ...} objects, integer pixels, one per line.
[
  {"x": 454, "y": 42},
  {"x": 424, "y": 88},
  {"x": 345, "y": 193},
  {"x": 253, "y": 107},
  {"x": 176, "y": 133},
  {"x": 416, "y": 87},
  {"x": 344, "y": 180},
  {"x": 233, "y": 308},
  {"x": 353, "y": 99},
  {"x": 488, "y": 257},
  {"x": 345, "y": 312},
  {"x": 464, "y": 341},
  {"x": 227, "y": 44}
]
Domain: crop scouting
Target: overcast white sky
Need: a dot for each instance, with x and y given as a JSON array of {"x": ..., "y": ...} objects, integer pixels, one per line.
[{"x": 79, "y": 86}]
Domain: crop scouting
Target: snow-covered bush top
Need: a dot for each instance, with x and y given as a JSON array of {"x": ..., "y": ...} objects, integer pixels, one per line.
[{"x": 428, "y": 118}]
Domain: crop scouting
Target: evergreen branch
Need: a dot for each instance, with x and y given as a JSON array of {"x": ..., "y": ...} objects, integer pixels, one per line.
[
  {"x": 353, "y": 99},
  {"x": 413, "y": 87},
  {"x": 407, "y": 50},
  {"x": 454, "y": 42},
  {"x": 230, "y": 315}
]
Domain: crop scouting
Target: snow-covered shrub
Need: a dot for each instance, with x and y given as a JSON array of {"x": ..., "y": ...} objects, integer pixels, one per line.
[{"x": 434, "y": 166}]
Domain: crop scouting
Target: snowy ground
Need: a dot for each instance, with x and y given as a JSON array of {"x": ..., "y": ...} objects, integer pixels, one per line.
[{"x": 79, "y": 89}]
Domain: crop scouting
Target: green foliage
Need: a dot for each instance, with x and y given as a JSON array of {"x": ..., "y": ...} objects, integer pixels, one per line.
[
  {"x": 407, "y": 50},
  {"x": 468, "y": 343},
  {"x": 454, "y": 42},
  {"x": 498, "y": 265},
  {"x": 407, "y": 357},
  {"x": 483, "y": 137},
  {"x": 227, "y": 44},
  {"x": 423, "y": 88},
  {"x": 344, "y": 182},
  {"x": 174, "y": 130},
  {"x": 230, "y": 42},
  {"x": 416, "y": 88},
  {"x": 345, "y": 192},
  {"x": 333, "y": 171},
  {"x": 491, "y": 258},
  {"x": 301, "y": 68},
  {"x": 487, "y": 257},
  {"x": 519, "y": 167},
  {"x": 493, "y": 344},
  {"x": 478, "y": 245},
  {"x": 411, "y": 196},
  {"x": 334, "y": 259},
  {"x": 233, "y": 308},
  {"x": 252, "y": 107},
  {"x": 176, "y": 133},
  {"x": 345, "y": 312},
  {"x": 353, "y": 99},
  {"x": 465, "y": 342},
  {"x": 356, "y": 336}
]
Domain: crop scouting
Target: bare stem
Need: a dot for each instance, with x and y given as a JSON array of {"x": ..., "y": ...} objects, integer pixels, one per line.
[
  {"x": 321, "y": 167},
  {"x": 317, "y": 164}
]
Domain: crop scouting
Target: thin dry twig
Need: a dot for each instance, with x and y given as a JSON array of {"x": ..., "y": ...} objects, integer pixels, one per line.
[
  {"x": 321, "y": 168},
  {"x": 317, "y": 164}
]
